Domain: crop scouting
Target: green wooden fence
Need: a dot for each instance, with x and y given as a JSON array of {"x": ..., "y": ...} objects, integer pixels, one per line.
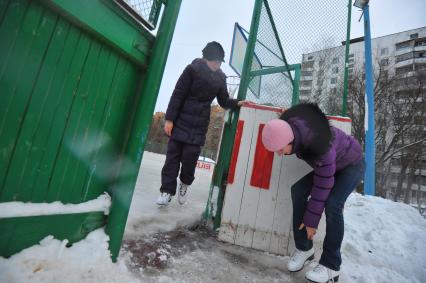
[{"x": 78, "y": 84}]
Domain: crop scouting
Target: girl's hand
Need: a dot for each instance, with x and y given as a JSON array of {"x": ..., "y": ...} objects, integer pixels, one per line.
[
  {"x": 241, "y": 102},
  {"x": 309, "y": 230},
  {"x": 168, "y": 126}
]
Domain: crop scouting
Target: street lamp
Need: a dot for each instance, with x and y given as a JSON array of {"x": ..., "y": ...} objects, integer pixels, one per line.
[
  {"x": 361, "y": 3},
  {"x": 370, "y": 150}
]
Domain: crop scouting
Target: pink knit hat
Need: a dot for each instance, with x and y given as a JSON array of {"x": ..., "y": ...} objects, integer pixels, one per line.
[{"x": 276, "y": 135}]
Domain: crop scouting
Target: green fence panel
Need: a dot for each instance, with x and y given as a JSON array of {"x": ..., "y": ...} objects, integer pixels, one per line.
[
  {"x": 21, "y": 232},
  {"x": 75, "y": 77}
]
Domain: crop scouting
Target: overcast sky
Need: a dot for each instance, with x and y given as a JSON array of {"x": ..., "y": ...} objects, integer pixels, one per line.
[{"x": 201, "y": 21}]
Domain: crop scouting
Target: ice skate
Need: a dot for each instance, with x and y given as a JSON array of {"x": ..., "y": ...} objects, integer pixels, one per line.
[
  {"x": 322, "y": 274},
  {"x": 299, "y": 259}
]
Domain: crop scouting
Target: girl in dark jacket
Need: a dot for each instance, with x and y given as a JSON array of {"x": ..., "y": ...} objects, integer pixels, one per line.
[
  {"x": 338, "y": 168},
  {"x": 187, "y": 119}
]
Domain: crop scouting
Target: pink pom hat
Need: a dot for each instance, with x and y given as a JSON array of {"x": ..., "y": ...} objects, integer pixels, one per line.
[{"x": 276, "y": 135}]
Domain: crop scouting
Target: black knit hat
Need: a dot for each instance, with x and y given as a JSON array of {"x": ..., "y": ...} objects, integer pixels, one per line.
[{"x": 214, "y": 52}]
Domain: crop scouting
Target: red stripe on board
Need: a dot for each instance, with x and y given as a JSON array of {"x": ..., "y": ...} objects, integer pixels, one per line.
[
  {"x": 341, "y": 119},
  {"x": 261, "y": 107},
  {"x": 235, "y": 151},
  {"x": 262, "y": 165}
]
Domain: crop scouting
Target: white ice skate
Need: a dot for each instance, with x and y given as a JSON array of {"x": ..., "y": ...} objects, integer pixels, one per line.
[
  {"x": 299, "y": 259},
  {"x": 164, "y": 199},
  {"x": 322, "y": 274},
  {"x": 182, "y": 193}
]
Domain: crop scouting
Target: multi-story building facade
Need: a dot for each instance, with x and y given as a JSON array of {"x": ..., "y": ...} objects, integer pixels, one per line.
[{"x": 401, "y": 59}]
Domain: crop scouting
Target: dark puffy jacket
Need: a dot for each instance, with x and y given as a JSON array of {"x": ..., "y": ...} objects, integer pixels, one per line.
[
  {"x": 189, "y": 106},
  {"x": 342, "y": 150}
]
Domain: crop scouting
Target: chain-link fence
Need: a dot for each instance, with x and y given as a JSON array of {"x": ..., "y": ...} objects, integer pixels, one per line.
[
  {"x": 305, "y": 32},
  {"x": 147, "y": 11}
]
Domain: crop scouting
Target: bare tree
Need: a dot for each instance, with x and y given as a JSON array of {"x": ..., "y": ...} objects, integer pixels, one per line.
[{"x": 399, "y": 111}]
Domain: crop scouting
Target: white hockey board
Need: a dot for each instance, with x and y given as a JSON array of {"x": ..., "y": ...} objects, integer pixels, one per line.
[{"x": 257, "y": 209}]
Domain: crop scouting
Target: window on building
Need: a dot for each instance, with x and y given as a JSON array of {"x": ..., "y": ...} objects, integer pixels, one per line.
[
  {"x": 396, "y": 162},
  {"x": 306, "y": 83},
  {"x": 403, "y": 70},
  {"x": 335, "y": 70},
  {"x": 310, "y": 58},
  {"x": 335, "y": 60},
  {"x": 307, "y": 73},
  {"x": 305, "y": 93},
  {"x": 419, "y": 55},
  {"x": 420, "y": 67},
  {"x": 403, "y": 57},
  {"x": 420, "y": 42},
  {"x": 307, "y": 64},
  {"x": 333, "y": 81},
  {"x": 403, "y": 45},
  {"x": 351, "y": 55},
  {"x": 384, "y": 62},
  {"x": 414, "y": 36},
  {"x": 384, "y": 51}
]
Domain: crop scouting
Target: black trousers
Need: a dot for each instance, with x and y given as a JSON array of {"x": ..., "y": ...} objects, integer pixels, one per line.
[{"x": 179, "y": 153}]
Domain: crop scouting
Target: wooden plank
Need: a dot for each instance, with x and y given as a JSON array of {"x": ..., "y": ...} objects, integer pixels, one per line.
[
  {"x": 251, "y": 194},
  {"x": 92, "y": 185},
  {"x": 19, "y": 80},
  {"x": 282, "y": 219},
  {"x": 67, "y": 78},
  {"x": 22, "y": 232},
  {"x": 282, "y": 215},
  {"x": 262, "y": 164},
  {"x": 109, "y": 23},
  {"x": 110, "y": 161},
  {"x": 3, "y": 9},
  {"x": 67, "y": 162},
  {"x": 10, "y": 26},
  {"x": 88, "y": 132},
  {"x": 340, "y": 122},
  {"x": 32, "y": 139},
  {"x": 267, "y": 198},
  {"x": 234, "y": 191},
  {"x": 235, "y": 151}
]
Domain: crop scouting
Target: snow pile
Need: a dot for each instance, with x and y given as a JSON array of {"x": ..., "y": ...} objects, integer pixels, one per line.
[
  {"x": 86, "y": 261},
  {"x": 384, "y": 241},
  {"x": 21, "y": 209}
]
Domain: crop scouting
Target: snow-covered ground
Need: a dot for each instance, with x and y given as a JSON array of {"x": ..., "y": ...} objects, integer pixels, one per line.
[{"x": 384, "y": 242}]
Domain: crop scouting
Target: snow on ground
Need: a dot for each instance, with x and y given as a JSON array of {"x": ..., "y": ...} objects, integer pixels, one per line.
[
  {"x": 384, "y": 242},
  {"x": 20, "y": 209},
  {"x": 145, "y": 217}
]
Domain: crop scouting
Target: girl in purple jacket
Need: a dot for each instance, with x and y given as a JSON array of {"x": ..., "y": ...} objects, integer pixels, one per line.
[{"x": 338, "y": 166}]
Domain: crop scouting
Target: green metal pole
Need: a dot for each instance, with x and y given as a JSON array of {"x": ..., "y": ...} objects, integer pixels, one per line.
[
  {"x": 274, "y": 70},
  {"x": 345, "y": 78},
  {"x": 122, "y": 193},
  {"x": 225, "y": 152},
  {"x": 248, "y": 57},
  {"x": 297, "y": 71}
]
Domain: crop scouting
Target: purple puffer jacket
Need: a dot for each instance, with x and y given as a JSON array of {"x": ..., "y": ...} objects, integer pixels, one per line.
[{"x": 344, "y": 150}]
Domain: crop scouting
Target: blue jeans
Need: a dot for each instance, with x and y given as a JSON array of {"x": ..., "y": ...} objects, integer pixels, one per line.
[{"x": 345, "y": 182}]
